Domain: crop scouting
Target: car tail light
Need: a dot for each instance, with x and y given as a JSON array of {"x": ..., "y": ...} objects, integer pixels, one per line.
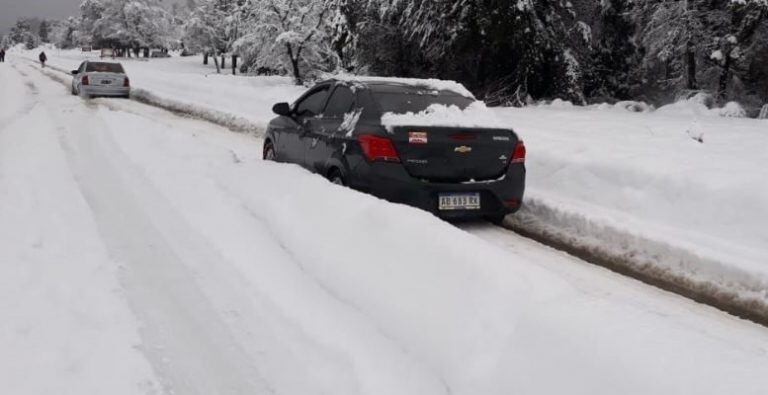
[
  {"x": 126, "y": 83},
  {"x": 377, "y": 148},
  {"x": 86, "y": 81},
  {"x": 518, "y": 156},
  {"x": 514, "y": 202}
]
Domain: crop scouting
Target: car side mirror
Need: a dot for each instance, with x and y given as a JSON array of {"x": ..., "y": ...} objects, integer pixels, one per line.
[
  {"x": 282, "y": 109},
  {"x": 74, "y": 72}
]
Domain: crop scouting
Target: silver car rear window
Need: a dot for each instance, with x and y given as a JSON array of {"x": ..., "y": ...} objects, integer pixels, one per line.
[{"x": 105, "y": 67}]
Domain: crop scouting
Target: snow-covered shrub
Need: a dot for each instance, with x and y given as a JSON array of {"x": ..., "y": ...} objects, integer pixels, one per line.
[
  {"x": 763, "y": 112},
  {"x": 560, "y": 103},
  {"x": 732, "y": 110},
  {"x": 697, "y": 103},
  {"x": 633, "y": 106}
]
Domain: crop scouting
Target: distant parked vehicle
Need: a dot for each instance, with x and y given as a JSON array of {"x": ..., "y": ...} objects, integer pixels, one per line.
[
  {"x": 107, "y": 53},
  {"x": 336, "y": 129},
  {"x": 159, "y": 54},
  {"x": 100, "y": 79}
]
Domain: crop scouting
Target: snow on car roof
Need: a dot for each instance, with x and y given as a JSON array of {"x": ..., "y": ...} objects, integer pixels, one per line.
[{"x": 430, "y": 83}]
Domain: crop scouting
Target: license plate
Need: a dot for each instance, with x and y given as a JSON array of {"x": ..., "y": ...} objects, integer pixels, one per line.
[
  {"x": 106, "y": 82},
  {"x": 459, "y": 201}
]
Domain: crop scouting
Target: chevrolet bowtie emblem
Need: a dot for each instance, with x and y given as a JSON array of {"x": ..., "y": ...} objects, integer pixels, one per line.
[{"x": 462, "y": 149}]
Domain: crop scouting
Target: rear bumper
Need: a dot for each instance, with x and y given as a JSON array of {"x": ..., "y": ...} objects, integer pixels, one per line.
[
  {"x": 390, "y": 181},
  {"x": 94, "y": 90}
]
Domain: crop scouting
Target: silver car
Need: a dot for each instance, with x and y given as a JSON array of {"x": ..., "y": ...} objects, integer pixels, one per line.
[{"x": 100, "y": 79}]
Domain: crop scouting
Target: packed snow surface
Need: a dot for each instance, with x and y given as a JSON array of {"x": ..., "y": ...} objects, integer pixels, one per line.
[
  {"x": 147, "y": 253},
  {"x": 476, "y": 115}
]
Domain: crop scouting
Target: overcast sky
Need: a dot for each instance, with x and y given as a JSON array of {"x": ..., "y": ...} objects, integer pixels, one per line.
[{"x": 10, "y": 10}]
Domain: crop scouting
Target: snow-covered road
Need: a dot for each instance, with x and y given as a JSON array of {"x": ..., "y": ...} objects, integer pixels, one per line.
[{"x": 141, "y": 252}]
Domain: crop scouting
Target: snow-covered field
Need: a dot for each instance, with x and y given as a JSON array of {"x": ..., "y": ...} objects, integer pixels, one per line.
[
  {"x": 679, "y": 192},
  {"x": 143, "y": 252}
]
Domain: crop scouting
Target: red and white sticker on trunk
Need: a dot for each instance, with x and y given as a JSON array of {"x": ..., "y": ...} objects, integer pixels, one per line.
[{"x": 417, "y": 137}]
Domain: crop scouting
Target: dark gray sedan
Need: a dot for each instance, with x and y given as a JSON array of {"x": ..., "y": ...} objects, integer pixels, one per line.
[{"x": 335, "y": 129}]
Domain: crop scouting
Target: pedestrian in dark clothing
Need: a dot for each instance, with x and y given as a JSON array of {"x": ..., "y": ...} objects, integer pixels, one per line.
[
  {"x": 2, "y": 55},
  {"x": 43, "y": 58}
]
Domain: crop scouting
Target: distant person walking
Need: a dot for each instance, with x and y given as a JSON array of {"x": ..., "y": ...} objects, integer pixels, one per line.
[
  {"x": 43, "y": 58},
  {"x": 2, "y": 55}
]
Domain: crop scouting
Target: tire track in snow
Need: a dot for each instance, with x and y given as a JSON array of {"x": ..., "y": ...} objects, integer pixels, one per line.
[
  {"x": 27, "y": 105},
  {"x": 185, "y": 337}
]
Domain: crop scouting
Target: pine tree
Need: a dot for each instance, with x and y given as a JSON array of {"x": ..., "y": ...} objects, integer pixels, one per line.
[{"x": 609, "y": 74}]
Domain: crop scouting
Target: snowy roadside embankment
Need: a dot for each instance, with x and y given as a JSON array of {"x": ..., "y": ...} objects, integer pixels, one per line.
[{"x": 675, "y": 197}]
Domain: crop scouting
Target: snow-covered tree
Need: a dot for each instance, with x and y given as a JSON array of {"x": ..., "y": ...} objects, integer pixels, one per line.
[
  {"x": 6, "y": 42},
  {"x": 64, "y": 33},
  {"x": 608, "y": 74},
  {"x": 287, "y": 34},
  {"x": 504, "y": 50},
  {"x": 91, "y": 11},
  {"x": 21, "y": 33},
  {"x": 697, "y": 44},
  {"x": 214, "y": 26},
  {"x": 134, "y": 23},
  {"x": 44, "y": 30}
]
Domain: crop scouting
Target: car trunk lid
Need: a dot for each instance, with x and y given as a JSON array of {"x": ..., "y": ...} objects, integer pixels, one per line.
[{"x": 452, "y": 154}]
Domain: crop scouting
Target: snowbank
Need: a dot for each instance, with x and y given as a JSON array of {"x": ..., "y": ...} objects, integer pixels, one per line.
[
  {"x": 732, "y": 109},
  {"x": 671, "y": 195},
  {"x": 626, "y": 105},
  {"x": 702, "y": 104}
]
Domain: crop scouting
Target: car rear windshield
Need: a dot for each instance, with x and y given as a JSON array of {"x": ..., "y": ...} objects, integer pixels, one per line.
[
  {"x": 400, "y": 100},
  {"x": 105, "y": 68}
]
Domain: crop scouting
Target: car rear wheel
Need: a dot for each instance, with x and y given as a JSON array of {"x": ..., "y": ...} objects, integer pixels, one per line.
[
  {"x": 269, "y": 151},
  {"x": 336, "y": 177},
  {"x": 496, "y": 219}
]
